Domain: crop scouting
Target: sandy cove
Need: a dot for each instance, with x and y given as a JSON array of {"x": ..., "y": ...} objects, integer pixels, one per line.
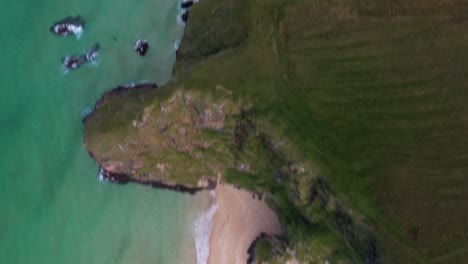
[{"x": 239, "y": 219}]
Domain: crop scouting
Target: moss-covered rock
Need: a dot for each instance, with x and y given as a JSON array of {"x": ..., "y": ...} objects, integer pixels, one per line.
[{"x": 179, "y": 139}]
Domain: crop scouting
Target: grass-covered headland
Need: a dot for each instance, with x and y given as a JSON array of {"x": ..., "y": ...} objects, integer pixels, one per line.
[{"x": 349, "y": 116}]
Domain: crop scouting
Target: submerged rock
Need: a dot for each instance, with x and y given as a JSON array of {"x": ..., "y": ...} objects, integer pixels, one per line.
[
  {"x": 68, "y": 26},
  {"x": 187, "y": 4},
  {"x": 92, "y": 53},
  {"x": 141, "y": 47},
  {"x": 185, "y": 16},
  {"x": 72, "y": 62}
]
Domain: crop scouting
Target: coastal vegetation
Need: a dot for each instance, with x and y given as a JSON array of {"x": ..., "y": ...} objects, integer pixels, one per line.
[{"x": 349, "y": 117}]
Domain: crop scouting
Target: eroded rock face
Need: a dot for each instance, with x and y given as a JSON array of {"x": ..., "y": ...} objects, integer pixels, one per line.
[
  {"x": 277, "y": 245},
  {"x": 184, "y": 138}
]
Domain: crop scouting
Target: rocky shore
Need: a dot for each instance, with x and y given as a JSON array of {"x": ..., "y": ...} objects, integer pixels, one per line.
[
  {"x": 120, "y": 177},
  {"x": 122, "y": 89}
]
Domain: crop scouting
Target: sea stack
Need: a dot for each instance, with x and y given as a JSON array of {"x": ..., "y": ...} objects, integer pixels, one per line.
[
  {"x": 187, "y": 4},
  {"x": 68, "y": 26},
  {"x": 185, "y": 16},
  {"x": 92, "y": 53},
  {"x": 141, "y": 47},
  {"x": 73, "y": 62}
]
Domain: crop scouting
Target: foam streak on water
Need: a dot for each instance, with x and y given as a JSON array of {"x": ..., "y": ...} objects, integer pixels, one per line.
[{"x": 201, "y": 232}]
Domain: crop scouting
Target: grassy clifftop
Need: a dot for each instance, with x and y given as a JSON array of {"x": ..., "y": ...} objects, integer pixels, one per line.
[
  {"x": 181, "y": 139},
  {"x": 368, "y": 97}
]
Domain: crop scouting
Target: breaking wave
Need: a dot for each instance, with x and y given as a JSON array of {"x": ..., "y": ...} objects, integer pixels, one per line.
[{"x": 201, "y": 232}]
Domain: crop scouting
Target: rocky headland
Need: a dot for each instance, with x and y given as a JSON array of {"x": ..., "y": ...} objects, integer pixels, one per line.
[{"x": 194, "y": 132}]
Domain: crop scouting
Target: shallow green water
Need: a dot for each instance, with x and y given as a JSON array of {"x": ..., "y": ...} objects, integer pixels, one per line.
[{"x": 53, "y": 208}]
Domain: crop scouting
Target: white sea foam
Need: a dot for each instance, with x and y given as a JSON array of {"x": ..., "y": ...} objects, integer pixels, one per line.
[
  {"x": 183, "y": 10},
  {"x": 179, "y": 19},
  {"x": 94, "y": 62},
  {"x": 201, "y": 232},
  {"x": 77, "y": 30},
  {"x": 134, "y": 84},
  {"x": 176, "y": 44},
  {"x": 64, "y": 70},
  {"x": 101, "y": 174},
  {"x": 86, "y": 112}
]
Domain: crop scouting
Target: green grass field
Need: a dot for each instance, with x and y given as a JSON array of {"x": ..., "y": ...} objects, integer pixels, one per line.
[{"x": 373, "y": 91}]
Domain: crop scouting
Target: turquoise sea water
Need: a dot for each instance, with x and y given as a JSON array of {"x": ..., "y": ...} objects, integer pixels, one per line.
[{"x": 53, "y": 209}]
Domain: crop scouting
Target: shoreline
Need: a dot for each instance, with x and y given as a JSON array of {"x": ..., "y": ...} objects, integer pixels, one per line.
[
  {"x": 238, "y": 221},
  {"x": 120, "y": 89},
  {"x": 123, "y": 178}
]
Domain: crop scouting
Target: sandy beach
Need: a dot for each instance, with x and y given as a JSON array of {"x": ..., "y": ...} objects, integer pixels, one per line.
[{"x": 239, "y": 219}]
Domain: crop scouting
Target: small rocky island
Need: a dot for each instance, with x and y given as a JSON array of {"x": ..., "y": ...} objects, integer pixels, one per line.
[
  {"x": 141, "y": 47},
  {"x": 186, "y": 4},
  {"x": 68, "y": 26},
  {"x": 73, "y": 62}
]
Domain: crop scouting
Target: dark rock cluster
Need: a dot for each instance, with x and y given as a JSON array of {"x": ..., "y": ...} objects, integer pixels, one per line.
[
  {"x": 74, "y": 26},
  {"x": 186, "y": 5},
  {"x": 141, "y": 47},
  {"x": 278, "y": 246},
  {"x": 68, "y": 26},
  {"x": 122, "y": 178},
  {"x": 72, "y": 62}
]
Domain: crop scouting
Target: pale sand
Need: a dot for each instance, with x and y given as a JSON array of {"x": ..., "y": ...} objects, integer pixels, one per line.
[{"x": 238, "y": 221}]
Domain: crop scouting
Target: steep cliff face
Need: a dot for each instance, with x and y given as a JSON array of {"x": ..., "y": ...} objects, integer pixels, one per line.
[
  {"x": 214, "y": 26},
  {"x": 178, "y": 140}
]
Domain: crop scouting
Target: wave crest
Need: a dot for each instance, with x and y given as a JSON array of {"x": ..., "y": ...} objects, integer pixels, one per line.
[{"x": 201, "y": 232}]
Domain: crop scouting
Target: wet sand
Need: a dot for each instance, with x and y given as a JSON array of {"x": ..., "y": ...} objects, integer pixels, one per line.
[{"x": 240, "y": 219}]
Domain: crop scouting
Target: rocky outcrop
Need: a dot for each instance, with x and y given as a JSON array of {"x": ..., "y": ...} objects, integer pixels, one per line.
[
  {"x": 141, "y": 47},
  {"x": 181, "y": 141},
  {"x": 276, "y": 246},
  {"x": 73, "y": 62},
  {"x": 68, "y": 26},
  {"x": 112, "y": 173},
  {"x": 122, "y": 178},
  {"x": 122, "y": 89}
]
